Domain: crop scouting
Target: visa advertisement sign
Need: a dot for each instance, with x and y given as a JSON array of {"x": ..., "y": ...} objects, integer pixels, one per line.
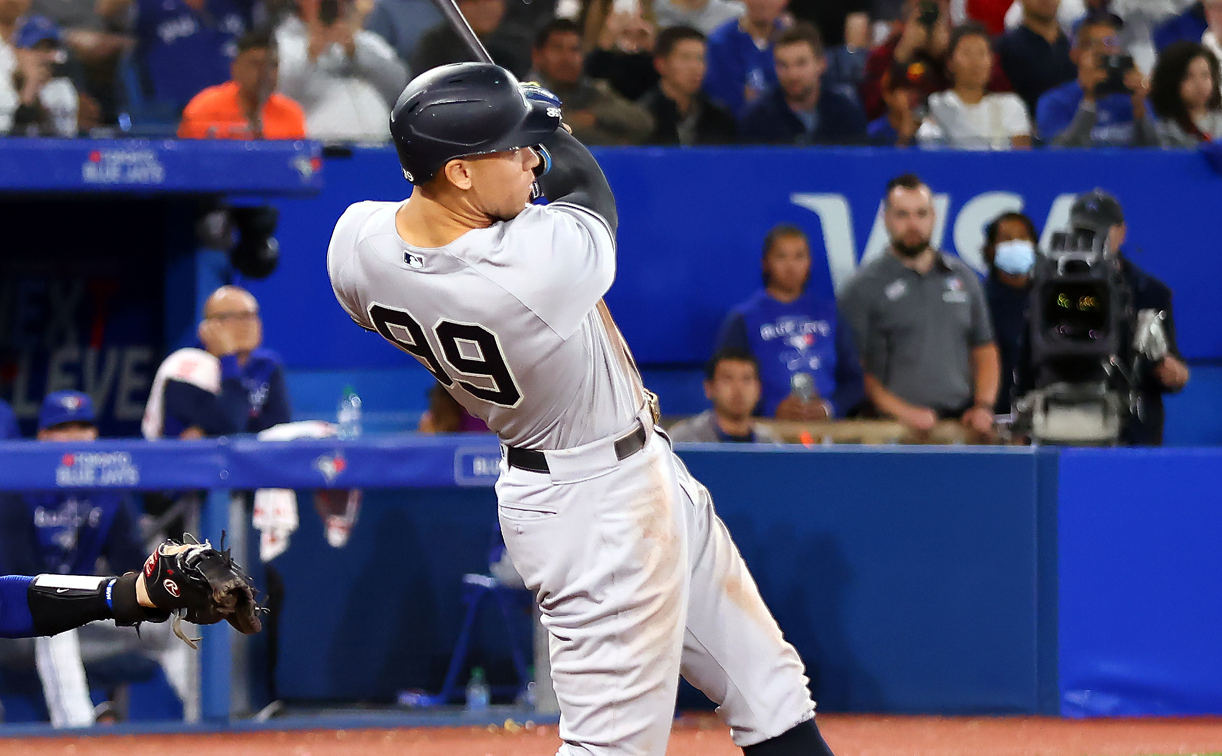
[
  {"x": 692, "y": 224},
  {"x": 692, "y": 221}
]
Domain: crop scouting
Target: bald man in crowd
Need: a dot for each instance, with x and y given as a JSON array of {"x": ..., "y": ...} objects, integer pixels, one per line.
[{"x": 230, "y": 384}]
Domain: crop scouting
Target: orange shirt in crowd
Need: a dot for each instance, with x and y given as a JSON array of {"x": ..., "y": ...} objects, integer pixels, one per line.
[{"x": 215, "y": 113}]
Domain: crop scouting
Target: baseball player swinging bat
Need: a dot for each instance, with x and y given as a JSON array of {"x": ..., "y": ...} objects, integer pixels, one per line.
[{"x": 637, "y": 579}]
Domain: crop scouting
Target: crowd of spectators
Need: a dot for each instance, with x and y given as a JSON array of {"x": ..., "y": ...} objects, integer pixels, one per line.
[
  {"x": 914, "y": 336},
  {"x": 959, "y": 74}
]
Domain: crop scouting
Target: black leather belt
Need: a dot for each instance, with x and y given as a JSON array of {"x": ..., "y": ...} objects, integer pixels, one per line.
[{"x": 533, "y": 460}]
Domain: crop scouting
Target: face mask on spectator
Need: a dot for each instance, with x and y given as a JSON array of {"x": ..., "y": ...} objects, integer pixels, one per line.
[{"x": 1015, "y": 257}]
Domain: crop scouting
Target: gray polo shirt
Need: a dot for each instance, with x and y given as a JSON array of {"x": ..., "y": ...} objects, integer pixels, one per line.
[
  {"x": 703, "y": 428},
  {"x": 915, "y": 332}
]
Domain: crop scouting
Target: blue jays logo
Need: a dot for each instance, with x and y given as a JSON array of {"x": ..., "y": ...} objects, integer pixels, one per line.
[
  {"x": 331, "y": 465},
  {"x": 71, "y": 403},
  {"x": 954, "y": 284}
]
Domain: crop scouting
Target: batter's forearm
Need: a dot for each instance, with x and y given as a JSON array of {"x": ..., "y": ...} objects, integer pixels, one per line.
[{"x": 576, "y": 178}]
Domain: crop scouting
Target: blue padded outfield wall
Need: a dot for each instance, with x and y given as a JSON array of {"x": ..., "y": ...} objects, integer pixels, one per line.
[
  {"x": 933, "y": 599},
  {"x": 919, "y": 579},
  {"x": 1141, "y": 577},
  {"x": 691, "y": 226}
]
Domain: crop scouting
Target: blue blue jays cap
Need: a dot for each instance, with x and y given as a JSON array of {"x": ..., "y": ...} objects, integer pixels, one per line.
[
  {"x": 65, "y": 407},
  {"x": 35, "y": 29}
]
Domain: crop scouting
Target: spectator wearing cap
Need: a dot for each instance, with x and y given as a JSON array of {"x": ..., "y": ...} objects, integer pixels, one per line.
[
  {"x": 968, "y": 116},
  {"x": 808, "y": 366},
  {"x": 898, "y": 126},
  {"x": 182, "y": 46},
  {"x": 597, "y": 114},
  {"x": 1093, "y": 111},
  {"x": 8, "y": 422},
  {"x": 67, "y": 533},
  {"x": 232, "y": 385},
  {"x": 248, "y": 107},
  {"x": 682, "y": 113},
  {"x": 732, "y": 384},
  {"x": 798, "y": 109},
  {"x": 34, "y": 101},
  {"x": 1036, "y": 56},
  {"x": 740, "y": 63},
  {"x": 345, "y": 78},
  {"x": 919, "y": 42}
]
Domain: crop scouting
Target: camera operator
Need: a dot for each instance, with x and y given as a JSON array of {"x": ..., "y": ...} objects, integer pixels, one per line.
[
  {"x": 1106, "y": 104},
  {"x": 1098, "y": 209},
  {"x": 1157, "y": 365}
]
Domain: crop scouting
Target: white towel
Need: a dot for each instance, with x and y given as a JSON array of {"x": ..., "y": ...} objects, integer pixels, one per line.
[
  {"x": 190, "y": 365},
  {"x": 275, "y": 513}
]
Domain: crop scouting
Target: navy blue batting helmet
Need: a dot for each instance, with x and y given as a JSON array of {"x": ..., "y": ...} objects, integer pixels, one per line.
[{"x": 461, "y": 110}]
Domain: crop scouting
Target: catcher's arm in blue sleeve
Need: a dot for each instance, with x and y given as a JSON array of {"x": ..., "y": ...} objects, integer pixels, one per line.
[{"x": 193, "y": 581}]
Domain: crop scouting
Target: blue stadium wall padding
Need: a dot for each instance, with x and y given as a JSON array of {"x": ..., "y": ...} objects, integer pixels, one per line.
[
  {"x": 908, "y": 580},
  {"x": 692, "y": 222},
  {"x": 1141, "y": 576}
]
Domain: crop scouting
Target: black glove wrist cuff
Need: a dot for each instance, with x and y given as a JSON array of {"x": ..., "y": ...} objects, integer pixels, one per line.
[{"x": 124, "y": 606}]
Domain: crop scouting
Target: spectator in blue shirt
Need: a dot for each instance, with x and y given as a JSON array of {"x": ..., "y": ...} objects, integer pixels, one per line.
[
  {"x": 1095, "y": 110},
  {"x": 798, "y": 110},
  {"x": 1188, "y": 26},
  {"x": 182, "y": 46},
  {"x": 67, "y": 533},
  {"x": 791, "y": 332},
  {"x": 232, "y": 385},
  {"x": 740, "y": 55},
  {"x": 8, "y": 422}
]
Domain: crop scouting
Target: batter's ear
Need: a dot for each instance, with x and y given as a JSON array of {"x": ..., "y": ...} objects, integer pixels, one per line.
[{"x": 458, "y": 173}]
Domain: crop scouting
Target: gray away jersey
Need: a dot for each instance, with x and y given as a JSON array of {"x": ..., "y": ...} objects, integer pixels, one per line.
[{"x": 508, "y": 318}]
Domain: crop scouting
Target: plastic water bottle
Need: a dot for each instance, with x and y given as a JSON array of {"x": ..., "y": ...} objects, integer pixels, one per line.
[
  {"x": 348, "y": 417},
  {"x": 478, "y": 692}
]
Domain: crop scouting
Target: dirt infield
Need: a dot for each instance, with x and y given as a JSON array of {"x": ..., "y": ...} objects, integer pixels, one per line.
[{"x": 695, "y": 736}]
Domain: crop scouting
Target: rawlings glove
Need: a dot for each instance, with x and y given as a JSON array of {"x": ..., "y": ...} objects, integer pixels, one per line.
[{"x": 195, "y": 582}]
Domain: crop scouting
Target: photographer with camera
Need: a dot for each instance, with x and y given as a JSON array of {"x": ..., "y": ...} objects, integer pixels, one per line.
[
  {"x": 39, "y": 100},
  {"x": 1100, "y": 349},
  {"x": 1106, "y": 105},
  {"x": 919, "y": 42},
  {"x": 345, "y": 78}
]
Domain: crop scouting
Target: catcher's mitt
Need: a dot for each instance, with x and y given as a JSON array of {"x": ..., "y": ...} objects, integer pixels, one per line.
[{"x": 195, "y": 582}]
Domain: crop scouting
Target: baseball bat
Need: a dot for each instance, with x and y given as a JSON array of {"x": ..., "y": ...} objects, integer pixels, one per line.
[{"x": 458, "y": 22}]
